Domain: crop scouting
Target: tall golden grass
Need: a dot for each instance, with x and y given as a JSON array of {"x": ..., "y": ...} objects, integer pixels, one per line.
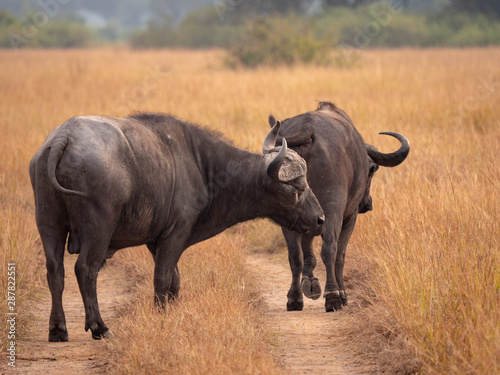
[
  {"x": 216, "y": 327},
  {"x": 431, "y": 244}
]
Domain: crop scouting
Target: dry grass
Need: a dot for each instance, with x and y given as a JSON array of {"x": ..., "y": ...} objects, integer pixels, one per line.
[
  {"x": 435, "y": 236},
  {"x": 215, "y": 327},
  {"x": 431, "y": 244}
]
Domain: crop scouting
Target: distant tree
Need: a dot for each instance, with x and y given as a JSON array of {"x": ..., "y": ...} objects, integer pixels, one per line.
[
  {"x": 351, "y": 3},
  {"x": 9, "y": 24},
  {"x": 343, "y": 3},
  {"x": 7, "y": 19},
  {"x": 65, "y": 34},
  {"x": 245, "y": 8},
  {"x": 488, "y": 7},
  {"x": 159, "y": 33},
  {"x": 58, "y": 33}
]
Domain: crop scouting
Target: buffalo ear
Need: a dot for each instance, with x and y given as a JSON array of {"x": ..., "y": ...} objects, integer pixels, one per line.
[
  {"x": 272, "y": 120},
  {"x": 373, "y": 168}
]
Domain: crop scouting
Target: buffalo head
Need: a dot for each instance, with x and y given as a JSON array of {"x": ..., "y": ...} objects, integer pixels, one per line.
[{"x": 299, "y": 209}]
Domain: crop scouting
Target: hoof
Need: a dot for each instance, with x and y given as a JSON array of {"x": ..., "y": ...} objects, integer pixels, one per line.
[
  {"x": 343, "y": 297},
  {"x": 311, "y": 287},
  {"x": 294, "y": 305},
  {"x": 99, "y": 331},
  {"x": 106, "y": 334},
  {"x": 333, "y": 301},
  {"x": 57, "y": 334}
]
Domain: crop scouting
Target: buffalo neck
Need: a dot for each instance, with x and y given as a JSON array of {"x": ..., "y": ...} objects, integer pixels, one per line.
[{"x": 235, "y": 183}]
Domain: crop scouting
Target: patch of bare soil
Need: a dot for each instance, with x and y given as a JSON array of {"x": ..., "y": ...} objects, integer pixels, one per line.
[
  {"x": 82, "y": 354},
  {"x": 309, "y": 341}
]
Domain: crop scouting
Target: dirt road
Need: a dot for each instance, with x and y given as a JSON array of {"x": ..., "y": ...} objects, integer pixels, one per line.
[
  {"x": 309, "y": 341},
  {"x": 81, "y": 355}
]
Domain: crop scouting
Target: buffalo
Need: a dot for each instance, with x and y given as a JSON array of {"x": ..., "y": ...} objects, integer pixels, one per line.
[
  {"x": 340, "y": 169},
  {"x": 104, "y": 183}
]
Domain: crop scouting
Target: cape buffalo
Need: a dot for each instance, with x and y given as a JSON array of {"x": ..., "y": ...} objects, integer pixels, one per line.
[
  {"x": 153, "y": 179},
  {"x": 340, "y": 168}
]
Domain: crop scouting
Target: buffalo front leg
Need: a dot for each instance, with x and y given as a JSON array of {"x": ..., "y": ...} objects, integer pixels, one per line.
[
  {"x": 295, "y": 300},
  {"x": 166, "y": 273},
  {"x": 345, "y": 235},
  {"x": 54, "y": 254},
  {"x": 328, "y": 255},
  {"x": 310, "y": 284},
  {"x": 175, "y": 285}
]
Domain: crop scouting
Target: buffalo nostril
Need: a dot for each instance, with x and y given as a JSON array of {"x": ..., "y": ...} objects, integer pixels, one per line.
[{"x": 321, "y": 219}]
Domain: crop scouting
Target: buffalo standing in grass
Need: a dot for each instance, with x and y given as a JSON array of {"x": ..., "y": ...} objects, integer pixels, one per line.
[
  {"x": 340, "y": 168},
  {"x": 152, "y": 179}
]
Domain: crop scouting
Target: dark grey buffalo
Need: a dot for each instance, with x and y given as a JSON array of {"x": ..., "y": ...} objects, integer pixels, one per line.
[
  {"x": 152, "y": 179},
  {"x": 340, "y": 168}
]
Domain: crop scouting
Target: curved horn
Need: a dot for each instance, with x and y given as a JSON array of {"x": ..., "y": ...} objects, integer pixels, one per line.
[
  {"x": 393, "y": 159},
  {"x": 273, "y": 169},
  {"x": 270, "y": 140}
]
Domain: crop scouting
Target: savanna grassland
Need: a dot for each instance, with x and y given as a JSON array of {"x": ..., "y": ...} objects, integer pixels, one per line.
[{"x": 430, "y": 248}]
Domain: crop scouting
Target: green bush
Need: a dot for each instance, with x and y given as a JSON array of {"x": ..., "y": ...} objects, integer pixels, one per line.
[
  {"x": 159, "y": 33},
  {"x": 289, "y": 38},
  {"x": 65, "y": 34},
  {"x": 462, "y": 30},
  {"x": 55, "y": 33},
  {"x": 402, "y": 31},
  {"x": 279, "y": 41},
  {"x": 360, "y": 28},
  {"x": 8, "y": 23},
  {"x": 204, "y": 28},
  {"x": 199, "y": 29}
]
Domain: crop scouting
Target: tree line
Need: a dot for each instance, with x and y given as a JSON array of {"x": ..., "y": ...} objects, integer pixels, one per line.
[{"x": 256, "y": 30}]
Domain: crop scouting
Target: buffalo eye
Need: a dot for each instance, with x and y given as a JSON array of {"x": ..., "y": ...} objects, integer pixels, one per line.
[{"x": 299, "y": 193}]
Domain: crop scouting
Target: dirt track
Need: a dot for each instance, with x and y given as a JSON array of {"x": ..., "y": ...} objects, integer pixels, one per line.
[
  {"x": 309, "y": 341},
  {"x": 81, "y": 355}
]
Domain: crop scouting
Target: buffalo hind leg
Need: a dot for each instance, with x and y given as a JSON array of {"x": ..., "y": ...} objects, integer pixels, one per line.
[
  {"x": 54, "y": 254},
  {"x": 345, "y": 235},
  {"x": 310, "y": 284},
  {"x": 91, "y": 259},
  {"x": 295, "y": 300}
]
